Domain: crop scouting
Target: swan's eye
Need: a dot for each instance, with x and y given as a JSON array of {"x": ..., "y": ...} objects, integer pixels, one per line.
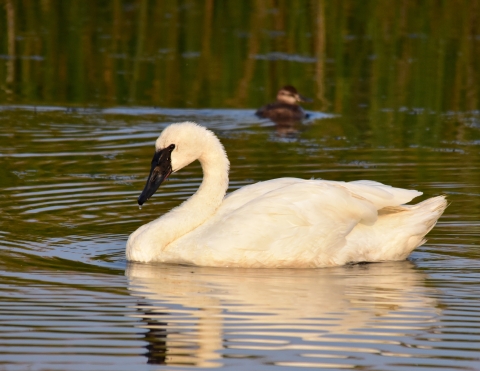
[{"x": 171, "y": 147}]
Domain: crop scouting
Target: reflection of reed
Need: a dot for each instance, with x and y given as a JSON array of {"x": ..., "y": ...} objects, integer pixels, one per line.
[
  {"x": 167, "y": 75},
  {"x": 198, "y": 91},
  {"x": 385, "y": 54},
  {"x": 320, "y": 53},
  {"x": 11, "y": 51},
  {"x": 198, "y": 312},
  {"x": 253, "y": 47},
  {"x": 466, "y": 74},
  {"x": 139, "y": 52},
  {"x": 109, "y": 69}
]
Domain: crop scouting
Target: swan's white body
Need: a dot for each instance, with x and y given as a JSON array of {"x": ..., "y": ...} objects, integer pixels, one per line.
[{"x": 284, "y": 222}]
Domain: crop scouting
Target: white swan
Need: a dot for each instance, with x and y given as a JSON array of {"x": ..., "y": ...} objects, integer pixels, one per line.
[{"x": 285, "y": 222}]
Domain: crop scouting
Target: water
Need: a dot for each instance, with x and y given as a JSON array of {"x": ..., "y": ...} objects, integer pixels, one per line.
[
  {"x": 85, "y": 89},
  {"x": 71, "y": 301}
]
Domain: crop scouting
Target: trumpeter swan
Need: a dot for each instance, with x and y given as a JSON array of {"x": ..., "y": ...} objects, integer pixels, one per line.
[{"x": 285, "y": 222}]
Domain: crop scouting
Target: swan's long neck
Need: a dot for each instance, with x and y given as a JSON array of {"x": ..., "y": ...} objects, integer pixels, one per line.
[
  {"x": 209, "y": 196},
  {"x": 149, "y": 240}
]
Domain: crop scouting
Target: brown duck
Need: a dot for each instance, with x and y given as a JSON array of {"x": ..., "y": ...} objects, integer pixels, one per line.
[{"x": 286, "y": 107}]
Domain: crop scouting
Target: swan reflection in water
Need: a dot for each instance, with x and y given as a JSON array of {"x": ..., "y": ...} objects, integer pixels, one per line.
[{"x": 205, "y": 316}]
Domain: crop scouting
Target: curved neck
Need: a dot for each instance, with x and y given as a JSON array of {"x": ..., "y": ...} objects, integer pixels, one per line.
[
  {"x": 209, "y": 196},
  {"x": 152, "y": 238}
]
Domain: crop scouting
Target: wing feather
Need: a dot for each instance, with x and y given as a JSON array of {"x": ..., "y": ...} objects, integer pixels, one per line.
[
  {"x": 290, "y": 221},
  {"x": 319, "y": 214}
]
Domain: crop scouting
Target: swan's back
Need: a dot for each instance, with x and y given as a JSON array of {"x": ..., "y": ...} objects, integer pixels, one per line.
[{"x": 291, "y": 222}]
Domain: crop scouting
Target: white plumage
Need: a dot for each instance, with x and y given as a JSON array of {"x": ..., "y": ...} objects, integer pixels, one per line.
[{"x": 284, "y": 222}]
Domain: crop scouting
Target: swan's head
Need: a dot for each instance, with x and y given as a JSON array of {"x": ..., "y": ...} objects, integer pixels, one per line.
[
  {"x": 288, "y": 94},
  {"x": 178, "y": 146}
]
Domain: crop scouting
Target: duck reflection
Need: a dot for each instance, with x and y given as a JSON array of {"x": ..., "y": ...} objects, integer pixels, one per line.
[
  {"x": 288, "y": 129},
  {"x": 196, "y": 316}
]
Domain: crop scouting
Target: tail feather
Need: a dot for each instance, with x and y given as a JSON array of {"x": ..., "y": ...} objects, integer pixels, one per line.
[
  {"x": 397, "y": 232},
  {"x": 429, "y": 211}
]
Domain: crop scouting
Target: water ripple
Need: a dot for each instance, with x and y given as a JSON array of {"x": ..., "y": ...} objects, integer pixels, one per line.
[{"x": 70, "y": 181}]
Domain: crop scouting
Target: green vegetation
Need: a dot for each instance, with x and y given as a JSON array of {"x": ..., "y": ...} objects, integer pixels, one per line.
[{"x": 182, "y": 53}]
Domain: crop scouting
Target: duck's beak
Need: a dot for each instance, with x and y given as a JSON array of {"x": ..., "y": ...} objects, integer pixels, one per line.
[
  {"x": 161, "y": 170},
  {"x": 301, "y": 98}
]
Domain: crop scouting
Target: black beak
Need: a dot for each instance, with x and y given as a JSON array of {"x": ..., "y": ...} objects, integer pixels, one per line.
[{"x": 161, "y": 170}]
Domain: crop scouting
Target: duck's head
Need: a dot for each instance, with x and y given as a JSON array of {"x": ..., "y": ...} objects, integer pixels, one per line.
[
  {"x": 177, "y": 146},
  {"x": 289, "y": 95}
]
